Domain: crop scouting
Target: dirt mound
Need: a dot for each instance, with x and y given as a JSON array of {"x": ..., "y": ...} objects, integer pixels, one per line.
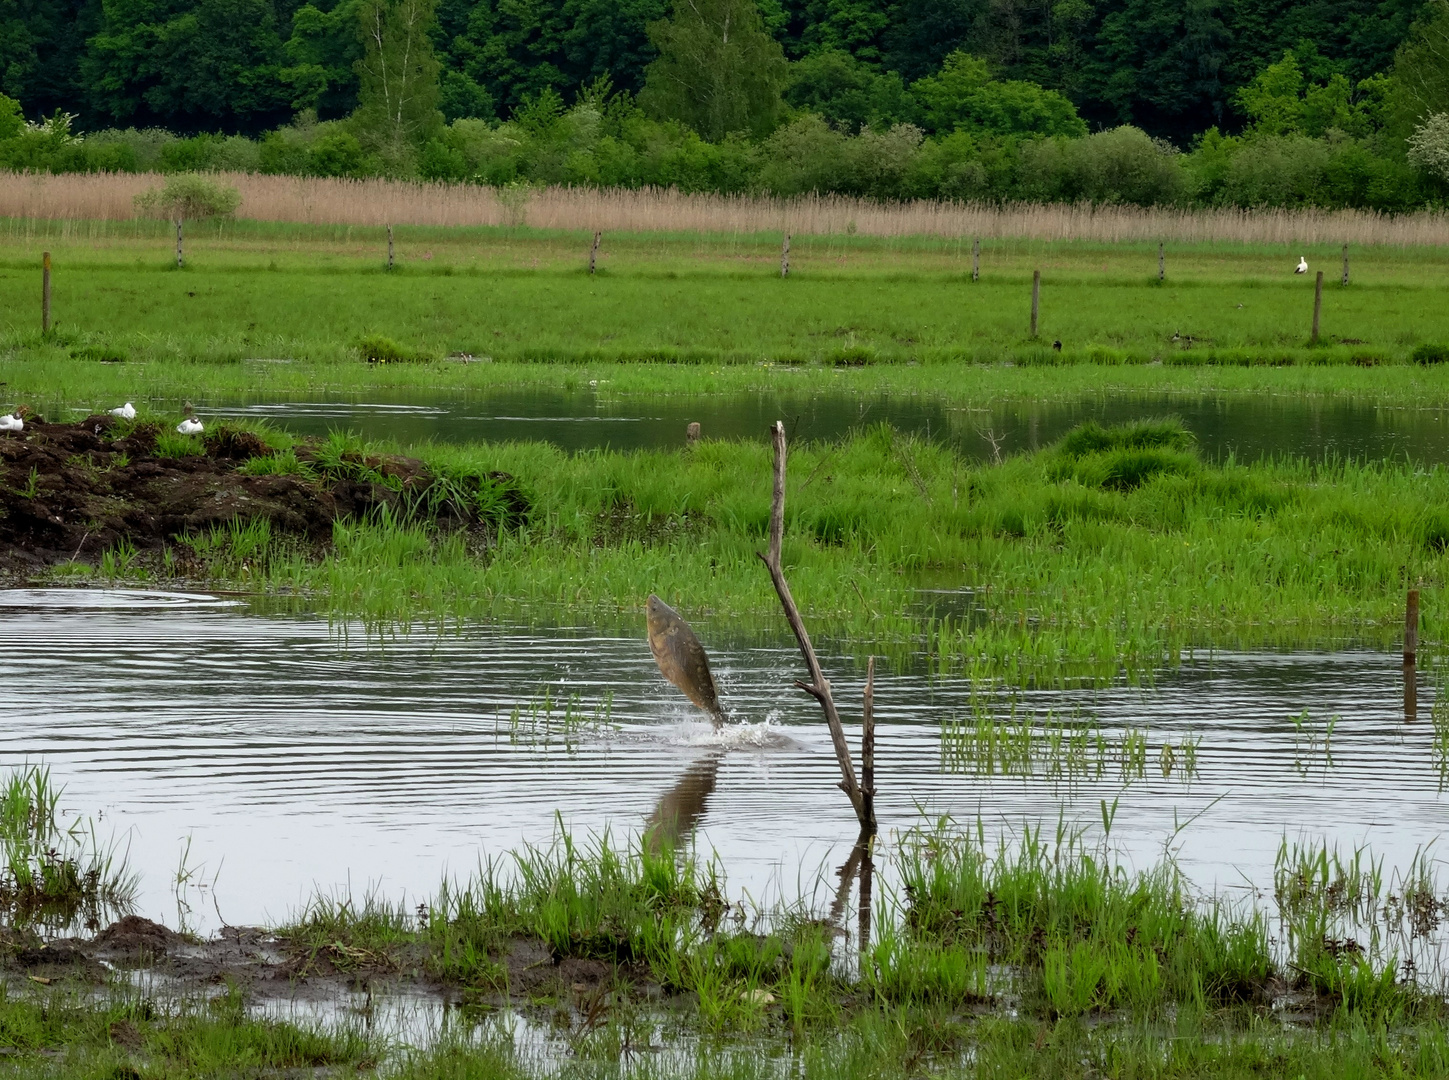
[
  {"x": 135, "y": 936},
  {"x": 68, "y": 491}
]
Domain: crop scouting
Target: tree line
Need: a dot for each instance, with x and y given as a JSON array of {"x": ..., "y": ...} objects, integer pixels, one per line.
[{"x": 1245, "y": 102}]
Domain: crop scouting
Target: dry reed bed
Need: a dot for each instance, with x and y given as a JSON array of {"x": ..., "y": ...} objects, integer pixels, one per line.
[{"x": 329, "y": 201}]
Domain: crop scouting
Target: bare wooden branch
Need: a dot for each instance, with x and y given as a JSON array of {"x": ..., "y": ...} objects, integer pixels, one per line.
[{"x": 819, "y": 686}]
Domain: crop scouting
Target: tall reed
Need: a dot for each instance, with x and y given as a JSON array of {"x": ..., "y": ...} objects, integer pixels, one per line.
[{"x": 325, "y": 200}]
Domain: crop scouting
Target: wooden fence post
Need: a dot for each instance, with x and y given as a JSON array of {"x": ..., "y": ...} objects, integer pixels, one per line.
[
  {"x": 1035, "y": 298},
  {"x": 785, "y": 257},
  {"x": 1411, "y": 628},
  {"x": 179, "y": 261},
  {"x": 1345, "y": 265},
  {"x": 1161, "y": 263},
  {"x": 1317, "y": 305},
  {"x": 594, "y": 252},
  {"x": 389, "y": 247},
  {"x": 45, "y": 293},
  {"x": 976, "y": 259}
]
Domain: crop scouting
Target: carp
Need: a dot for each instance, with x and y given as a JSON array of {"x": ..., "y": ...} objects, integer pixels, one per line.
[{"x": 681, "y": 657}]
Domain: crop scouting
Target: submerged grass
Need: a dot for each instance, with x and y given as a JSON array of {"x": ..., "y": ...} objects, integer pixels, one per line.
[
  {"x": 54, "y": 876},
  {"x": 1060, "y": 749},
  {"x": 60, "y": 1032}
]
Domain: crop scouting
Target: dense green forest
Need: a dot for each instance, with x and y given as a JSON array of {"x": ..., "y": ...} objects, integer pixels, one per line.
[{"x": 1246, "y": 102}]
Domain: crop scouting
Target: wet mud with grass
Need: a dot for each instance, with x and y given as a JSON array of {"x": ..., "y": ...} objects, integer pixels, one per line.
[
  {"x": 106, "y": 486},
  {"x": 1042, "y": 955}
]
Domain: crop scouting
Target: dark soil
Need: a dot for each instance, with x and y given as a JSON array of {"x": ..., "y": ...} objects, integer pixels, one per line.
[
  {"x": 265, "y": 966},
  {"x": 68, "y": 491}
]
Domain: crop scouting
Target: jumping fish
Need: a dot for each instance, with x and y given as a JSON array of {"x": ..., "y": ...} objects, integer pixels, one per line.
[{"x": 681, "y": 657}]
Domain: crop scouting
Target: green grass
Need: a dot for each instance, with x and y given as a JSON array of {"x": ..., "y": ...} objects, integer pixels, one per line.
[
  {"x": 519, "y": 295},
  {"x": 1060, "y": 749},
  {"x": 1071, "y": 562},
  {"x": 54, "y": 876},
  {"x": 1027, "y": 955},
  {"x": 1035, "y": 956},
  {"x": 63, "y": 1032}
]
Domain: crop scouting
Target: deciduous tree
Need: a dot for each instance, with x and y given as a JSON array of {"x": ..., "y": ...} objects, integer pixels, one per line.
[{"x": 718, "y": 71}]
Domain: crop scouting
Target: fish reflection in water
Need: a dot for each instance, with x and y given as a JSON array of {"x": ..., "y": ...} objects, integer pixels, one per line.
[{"x": 680, "y": 808}]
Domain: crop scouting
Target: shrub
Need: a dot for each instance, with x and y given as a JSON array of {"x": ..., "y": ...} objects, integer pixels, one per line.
[
  {"x": 1429, "y": 353},
  {"x": 1276, "y": 171},
  {"x": 377, "y": 349},
  {"x": 189, "y": 197},
  {"x": 1124, "y": 165}
]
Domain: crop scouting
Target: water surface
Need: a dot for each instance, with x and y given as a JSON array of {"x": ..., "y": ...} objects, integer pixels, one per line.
[
  {"x": 274, "y": 756},
  {"x": 1250, "y": 427}
]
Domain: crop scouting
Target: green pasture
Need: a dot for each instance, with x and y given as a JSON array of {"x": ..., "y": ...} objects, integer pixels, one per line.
[{"x": 253, "y": 290}]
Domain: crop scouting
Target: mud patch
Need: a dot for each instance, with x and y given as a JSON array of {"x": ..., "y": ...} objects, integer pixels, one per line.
[
  {"x": 136, "y": 940},
  {"x": 68, "y": 491}
]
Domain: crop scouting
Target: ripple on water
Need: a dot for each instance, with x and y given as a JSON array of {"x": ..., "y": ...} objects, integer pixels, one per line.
[{"x": 289, "y": 756}]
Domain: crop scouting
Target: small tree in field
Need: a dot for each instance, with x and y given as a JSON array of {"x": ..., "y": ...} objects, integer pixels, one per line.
[{"x": 188, "y": 197}]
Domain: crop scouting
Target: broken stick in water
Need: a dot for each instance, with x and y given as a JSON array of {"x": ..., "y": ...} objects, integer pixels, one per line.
[
  {"x": 819, "y": 686},
  {"x": 681, "y": 657}
]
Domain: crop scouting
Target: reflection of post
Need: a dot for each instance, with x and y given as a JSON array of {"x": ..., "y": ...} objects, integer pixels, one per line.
[
  {"x": 846, "y": 874},
  {"x": 680, "y": 808},
  {"x": 1411, "y": 655},
  {"x": 867, "y": 744},
  {"x": 867, "y": 874},
  {"x": 859, "y": 864}
]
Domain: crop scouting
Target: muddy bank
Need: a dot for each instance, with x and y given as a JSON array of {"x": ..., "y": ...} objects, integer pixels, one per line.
[
  {"x": 72, "y": 491},
  {"x": 265, "y": 966}
]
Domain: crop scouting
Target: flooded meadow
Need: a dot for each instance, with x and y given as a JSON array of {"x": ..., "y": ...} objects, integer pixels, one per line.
[
  {"x": 245, "y": 761},
  {"x": 1248, "y": 427}
]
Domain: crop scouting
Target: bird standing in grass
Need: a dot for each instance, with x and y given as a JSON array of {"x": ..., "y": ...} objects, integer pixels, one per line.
[
  {"x": 125, "y": 412},
  {"x": 190, "y": 426},
  {"x": 12, "y": 422},
  {"x": 1302, "y": 265}
]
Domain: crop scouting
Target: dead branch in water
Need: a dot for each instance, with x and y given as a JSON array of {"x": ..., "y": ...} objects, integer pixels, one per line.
[{"x": 819, "y": 686}]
